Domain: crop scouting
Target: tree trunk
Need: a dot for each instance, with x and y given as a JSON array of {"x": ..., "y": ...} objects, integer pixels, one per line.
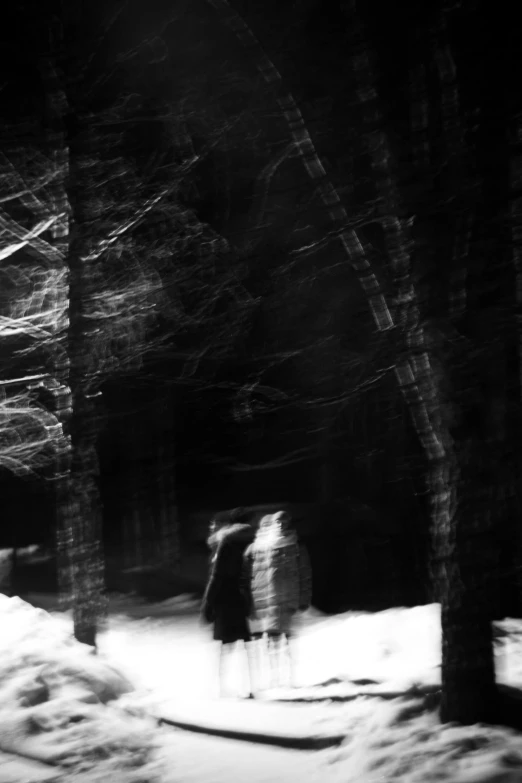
[
  {"x": 168, "y": 534},
  {"x": 78, "y": 510},
  {"x": 62, "y": 494},
  {"x": 516, "y": 239},
  {"x": 170, "y": 552},
  {"x": 58, "y": 151},
  {"x": 326, "y": 471},
  {"x": 460, "y": 527},
  {"x": 134, "y": 489},
  {"x": 85, "y": 522},
  {"x": 516, "y": 231},
  {"x": 468, "y": 674},
  {"x": 137, "y": 530}
]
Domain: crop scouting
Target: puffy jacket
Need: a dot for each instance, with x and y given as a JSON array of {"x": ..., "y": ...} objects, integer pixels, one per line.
[{"x": 278, "y": 571}]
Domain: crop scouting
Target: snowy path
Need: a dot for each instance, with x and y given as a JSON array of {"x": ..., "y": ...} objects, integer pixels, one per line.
[
  {"x": 296, "y": 726},
  {"x": 193, "y": 758}
]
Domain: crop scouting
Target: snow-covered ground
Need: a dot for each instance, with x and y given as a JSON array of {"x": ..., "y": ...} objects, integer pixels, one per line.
[
  {"x": 54, "y": 693},
  {"x": 59, "y": 702},
  {"x": 170, "y": 651},
  {"x": 178, "y": 659}
]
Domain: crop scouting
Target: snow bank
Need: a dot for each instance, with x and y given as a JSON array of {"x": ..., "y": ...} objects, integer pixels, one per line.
[
  {"x": 398, "y": 646},
  {"x": 404, "y": 741},
  {"x": 58, "y": 701}
]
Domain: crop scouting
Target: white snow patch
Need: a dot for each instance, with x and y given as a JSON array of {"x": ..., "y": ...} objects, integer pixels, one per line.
[
  {"x": 401, "y": 741},
  {"x": 58, "y": 701}
]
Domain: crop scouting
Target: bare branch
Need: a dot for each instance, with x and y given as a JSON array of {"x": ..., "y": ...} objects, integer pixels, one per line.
[
  {"x": 30, "y": 436},
  {"x": 29, "y": 238}
]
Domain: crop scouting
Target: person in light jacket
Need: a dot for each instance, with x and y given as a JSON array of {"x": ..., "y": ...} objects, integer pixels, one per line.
[{"x": 277, "y": 572}]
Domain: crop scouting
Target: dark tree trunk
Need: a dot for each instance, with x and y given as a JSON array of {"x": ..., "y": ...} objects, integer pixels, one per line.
[
  {"x": 168, "y": 533},
  {"x": 462, "y": 487},
  {"x": 468, "y": 674},
  {"x": 516, "y": 240},
  {"x": 327, "y": 469},
  {"x": 84, "y": 508},
  {"x": 168, "y": 545},
  {"x": 58, "y": 151},
  {"x": 133, "y": 524}
]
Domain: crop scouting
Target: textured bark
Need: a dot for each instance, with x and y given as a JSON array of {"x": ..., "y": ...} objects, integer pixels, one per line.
[
  {"x": 516, "y": 238},
  {"x": 516, "y": 230},
  {"x": 56, "y": 106},
  {"x": 62, "y": 492},
  {"x": 468, "y": 675},
  {"x": 80, "y": 559},
  {"x": 89, "y": 602}
]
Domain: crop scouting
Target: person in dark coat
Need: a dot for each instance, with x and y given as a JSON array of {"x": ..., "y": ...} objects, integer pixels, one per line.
[{"x": 227, "y": 601}]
